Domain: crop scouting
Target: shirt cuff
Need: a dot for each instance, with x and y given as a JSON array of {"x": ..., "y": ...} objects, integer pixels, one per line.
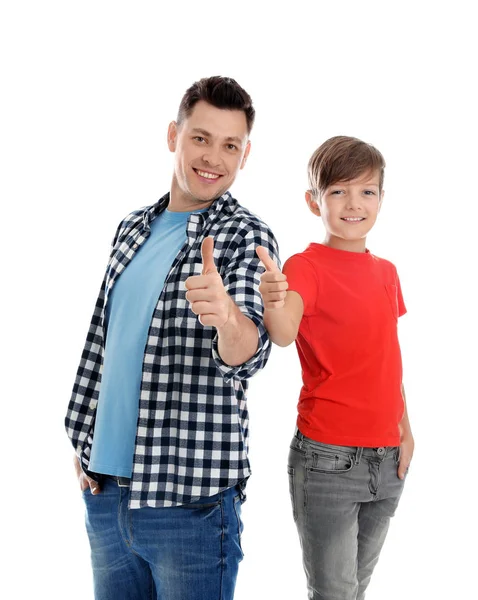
[{"x": 255, "y": 363}]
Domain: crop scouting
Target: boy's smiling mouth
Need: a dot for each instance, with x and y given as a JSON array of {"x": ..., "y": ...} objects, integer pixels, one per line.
[{"x": 352, "y": 219}]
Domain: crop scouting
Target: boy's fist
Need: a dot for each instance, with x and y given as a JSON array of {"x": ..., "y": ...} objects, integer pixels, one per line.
[{"x": 274, "y": 285}]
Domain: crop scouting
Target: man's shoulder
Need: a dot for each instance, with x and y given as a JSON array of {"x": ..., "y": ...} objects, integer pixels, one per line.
[{"x": 244, "y": 219}]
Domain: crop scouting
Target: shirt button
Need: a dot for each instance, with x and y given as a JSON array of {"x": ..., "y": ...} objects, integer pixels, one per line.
[
  {"x": 381, "y": 451},
  {"x": 135, "y": 246}
]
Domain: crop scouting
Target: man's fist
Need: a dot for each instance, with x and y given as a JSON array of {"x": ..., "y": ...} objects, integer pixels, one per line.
[
  {"x": 206, "y": 293},
  {"x": 274, "y": 285}
]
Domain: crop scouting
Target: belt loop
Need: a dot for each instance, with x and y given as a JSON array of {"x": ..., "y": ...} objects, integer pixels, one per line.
[
  {"x": 300, "y": 437},
  {"x": 358, "y": 455}
]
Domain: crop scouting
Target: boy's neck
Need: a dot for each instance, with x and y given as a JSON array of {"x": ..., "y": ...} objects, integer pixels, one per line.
[{"x": 348, "y": 245}]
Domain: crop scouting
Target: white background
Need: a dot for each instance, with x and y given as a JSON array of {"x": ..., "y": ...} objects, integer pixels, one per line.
[{"x": 87, "y": 92}]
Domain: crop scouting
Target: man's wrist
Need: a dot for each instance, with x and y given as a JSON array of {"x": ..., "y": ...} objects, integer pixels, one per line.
[{"x": 233, "y": 316}]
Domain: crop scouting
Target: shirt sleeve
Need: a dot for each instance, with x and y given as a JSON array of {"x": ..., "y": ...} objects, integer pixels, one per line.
[
  {"x": 402, "y": 309},
  {"x": 302, "y": 278},
  {"x": 242, "y": 278}
]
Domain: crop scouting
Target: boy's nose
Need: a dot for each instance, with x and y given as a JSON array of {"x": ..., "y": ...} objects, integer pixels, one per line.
[{"x": 354, "y": 202}]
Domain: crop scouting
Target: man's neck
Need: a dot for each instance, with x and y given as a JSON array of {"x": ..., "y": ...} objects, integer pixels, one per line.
[{"x": 181, "y": 202}]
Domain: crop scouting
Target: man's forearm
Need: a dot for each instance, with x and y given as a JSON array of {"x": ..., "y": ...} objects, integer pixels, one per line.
[{"x": 238, "y": 339}]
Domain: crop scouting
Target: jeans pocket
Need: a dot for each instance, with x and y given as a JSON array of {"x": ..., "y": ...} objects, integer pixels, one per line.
[
  {"x": 330, "y": 462},
  {"x": 290, "y": 471},
  {"x": 237, "y": 504}
]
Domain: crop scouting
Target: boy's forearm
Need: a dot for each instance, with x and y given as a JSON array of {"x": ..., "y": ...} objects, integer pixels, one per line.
[
  {"x": 281, "y": 326},
  {"x": 405, "y": 428}
]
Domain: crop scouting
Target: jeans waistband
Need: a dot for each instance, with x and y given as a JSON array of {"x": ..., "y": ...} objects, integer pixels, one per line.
[
  {"x": 121, "y": 481},
  {"x": 380, "y": 451}
]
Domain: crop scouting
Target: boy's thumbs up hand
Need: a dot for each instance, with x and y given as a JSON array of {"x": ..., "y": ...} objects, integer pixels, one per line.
[
  {"x": 206, "y": 293},
  {"x": 274, "y": 284}
]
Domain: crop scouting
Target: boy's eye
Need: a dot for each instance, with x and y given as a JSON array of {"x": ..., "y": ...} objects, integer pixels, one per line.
[
  {"x": 337, "y": 192},
  {"x": 198, "y": 138},
  {"x": 369, "y": 193}
]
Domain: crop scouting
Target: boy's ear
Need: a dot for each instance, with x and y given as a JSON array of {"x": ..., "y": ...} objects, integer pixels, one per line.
[
  {"x": 381, "y": 200},
  {"x": 312, "y": 203}
]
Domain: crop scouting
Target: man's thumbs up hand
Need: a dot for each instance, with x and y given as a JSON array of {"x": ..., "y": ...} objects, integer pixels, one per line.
[
  {"x": 206, "y": 293},
  {"x": 274, "y": 284}
]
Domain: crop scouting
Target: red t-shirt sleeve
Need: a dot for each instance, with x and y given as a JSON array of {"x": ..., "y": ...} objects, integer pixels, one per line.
[
  {"x": 302, "y": 278},
  {"x": 402, "y": 309}
]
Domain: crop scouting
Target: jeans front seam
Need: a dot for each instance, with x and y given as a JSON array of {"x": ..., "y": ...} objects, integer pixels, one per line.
[
  {"x": 128, "y": 524},
  {"x": 306, "y": 479},
  {"x": 223, "y": 533}
]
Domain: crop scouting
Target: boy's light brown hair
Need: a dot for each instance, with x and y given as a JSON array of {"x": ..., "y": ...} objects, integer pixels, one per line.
[{"x": 343, "y": 158}]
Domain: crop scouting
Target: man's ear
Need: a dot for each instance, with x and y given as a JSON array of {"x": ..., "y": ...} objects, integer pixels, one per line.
[
  {"x": 246, "y": 154},
  {"x": 312, "y": 203},
  {"x": 172, "y": 136}
]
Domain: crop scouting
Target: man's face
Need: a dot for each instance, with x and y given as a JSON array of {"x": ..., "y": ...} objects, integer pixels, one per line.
[
  {"x": 349, "y": 209},
  {"x": 210, "y": 147}
]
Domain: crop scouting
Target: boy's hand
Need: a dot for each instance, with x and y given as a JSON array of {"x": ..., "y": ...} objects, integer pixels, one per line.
[
  {"x": 206, "y": 293},
  {"x": 407, "y": 445},
  {"x": 274, "y": 284}
]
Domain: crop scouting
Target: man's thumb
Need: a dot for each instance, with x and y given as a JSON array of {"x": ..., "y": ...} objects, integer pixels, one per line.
[{"x": 207, "y": 253}]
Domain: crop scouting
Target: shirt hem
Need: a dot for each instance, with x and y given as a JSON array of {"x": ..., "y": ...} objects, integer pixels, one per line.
[{"x": 349, "y": 440}]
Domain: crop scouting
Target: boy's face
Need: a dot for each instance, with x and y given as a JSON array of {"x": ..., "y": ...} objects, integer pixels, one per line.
[
  {"x": 210, "y": 147},
  {"x": 349, "y": 210}
]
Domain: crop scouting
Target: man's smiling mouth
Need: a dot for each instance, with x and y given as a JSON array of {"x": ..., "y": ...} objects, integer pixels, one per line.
[{"x": 207, "y": 175}]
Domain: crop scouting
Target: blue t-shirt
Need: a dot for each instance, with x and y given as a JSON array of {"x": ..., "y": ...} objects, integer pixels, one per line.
[{"x": 129, "y": 311}]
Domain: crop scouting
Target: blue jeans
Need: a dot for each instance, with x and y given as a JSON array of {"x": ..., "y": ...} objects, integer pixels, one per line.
[
  {"x": 189, "y": 552},
  {"x": 343, "y": 499}
]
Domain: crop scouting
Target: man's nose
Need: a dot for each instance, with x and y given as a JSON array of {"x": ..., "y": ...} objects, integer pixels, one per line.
[{"x": 212, "y": 156}]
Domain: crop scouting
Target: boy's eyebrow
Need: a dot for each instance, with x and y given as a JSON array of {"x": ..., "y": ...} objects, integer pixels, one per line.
[{"x": 231, "y": 138}]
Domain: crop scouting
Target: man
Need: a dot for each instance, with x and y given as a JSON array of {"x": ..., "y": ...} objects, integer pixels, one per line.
[{"x": 158, "y": 415}]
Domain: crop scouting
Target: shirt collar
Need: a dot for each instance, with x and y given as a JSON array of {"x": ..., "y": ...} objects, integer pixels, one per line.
[{"x": 224, "y": 204}]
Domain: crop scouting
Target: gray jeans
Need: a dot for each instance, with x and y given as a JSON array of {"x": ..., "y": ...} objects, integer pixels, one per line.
[{"x": 342, "y": 500}]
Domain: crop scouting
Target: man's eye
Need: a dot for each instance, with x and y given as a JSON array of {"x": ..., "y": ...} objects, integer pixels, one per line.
[
  {"x": 198, "y": 138},
  {"x": 231, "y": 147}
]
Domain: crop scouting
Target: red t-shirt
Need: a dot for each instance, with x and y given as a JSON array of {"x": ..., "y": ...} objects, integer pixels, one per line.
[{"x": 348, "y": 346}]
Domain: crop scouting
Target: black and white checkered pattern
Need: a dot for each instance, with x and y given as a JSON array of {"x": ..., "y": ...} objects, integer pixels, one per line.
[{"x": 192, "y": 433}]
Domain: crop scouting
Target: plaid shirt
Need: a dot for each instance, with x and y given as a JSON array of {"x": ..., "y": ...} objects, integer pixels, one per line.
[{"x": 192, "y": 430}]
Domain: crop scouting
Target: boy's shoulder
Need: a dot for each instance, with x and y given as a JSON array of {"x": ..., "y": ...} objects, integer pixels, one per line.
[{"x": 383, "y": 263}]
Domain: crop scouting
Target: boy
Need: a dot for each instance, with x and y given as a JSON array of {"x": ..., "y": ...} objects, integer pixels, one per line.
[{"x": 353, "y": 442}]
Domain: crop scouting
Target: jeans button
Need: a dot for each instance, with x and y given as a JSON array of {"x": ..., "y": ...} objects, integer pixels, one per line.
[{"x": 381, "y": 451}]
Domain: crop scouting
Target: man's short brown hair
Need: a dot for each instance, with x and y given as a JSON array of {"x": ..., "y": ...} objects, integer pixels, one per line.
[
  {"x": 343, "y": 158},
  {"x": 221, "y": 92}
]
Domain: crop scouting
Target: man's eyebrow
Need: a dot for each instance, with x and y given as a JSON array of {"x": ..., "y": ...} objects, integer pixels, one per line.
[
  {"x": 201, "y": 131},
  {"x": 235, "y": 139},
  {"x": 232, "y": 138}
]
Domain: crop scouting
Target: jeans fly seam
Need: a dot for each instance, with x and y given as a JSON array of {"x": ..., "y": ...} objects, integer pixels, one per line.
[
  {"x": 221, "y": 582},
  {"x": 306, "y": 479}
]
